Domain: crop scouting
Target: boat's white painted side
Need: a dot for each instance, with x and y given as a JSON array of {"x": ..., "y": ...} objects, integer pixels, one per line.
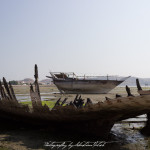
[{"x": 86, "y": 86}]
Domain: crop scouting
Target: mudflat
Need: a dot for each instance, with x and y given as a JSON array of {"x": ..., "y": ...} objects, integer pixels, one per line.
[{"x": 52, "y": 91}]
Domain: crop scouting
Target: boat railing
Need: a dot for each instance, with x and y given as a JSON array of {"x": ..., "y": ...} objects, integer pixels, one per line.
[
  {"x": 65, "y": 75},
  {"x": 107, "y": 77}
]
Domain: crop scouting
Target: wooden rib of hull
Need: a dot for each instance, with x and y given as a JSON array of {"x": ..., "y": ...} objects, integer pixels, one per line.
[{"x": 96, "y": 119}]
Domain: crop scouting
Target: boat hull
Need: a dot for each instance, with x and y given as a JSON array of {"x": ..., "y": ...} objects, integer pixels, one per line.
[{"x": 86, "y": 86}]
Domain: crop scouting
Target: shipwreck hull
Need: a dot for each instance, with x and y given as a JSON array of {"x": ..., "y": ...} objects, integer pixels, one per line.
[
  {"x": 86, "y": 86},
  {"x": 77, "y": 116},
  {"x": 60, "y": 121}
]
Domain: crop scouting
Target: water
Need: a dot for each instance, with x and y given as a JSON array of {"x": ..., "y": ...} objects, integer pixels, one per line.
[
  {"x": 26, "y": 97},
  {"x": 129, "y": 137}
]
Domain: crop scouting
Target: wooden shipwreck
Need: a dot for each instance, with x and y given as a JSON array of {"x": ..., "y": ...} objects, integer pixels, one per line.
[{"x": 93, "y": 119}]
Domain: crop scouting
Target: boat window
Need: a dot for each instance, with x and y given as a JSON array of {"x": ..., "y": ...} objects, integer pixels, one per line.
[{"x": 61, "y": 75}]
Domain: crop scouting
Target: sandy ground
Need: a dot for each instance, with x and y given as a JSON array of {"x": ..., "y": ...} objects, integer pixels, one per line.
[
  {"x": 52, "y": 91},
  {"x": 100, "y": 97}
]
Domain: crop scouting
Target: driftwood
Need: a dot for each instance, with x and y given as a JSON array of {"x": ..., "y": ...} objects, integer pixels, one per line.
[{"x": 97, "y": 119}]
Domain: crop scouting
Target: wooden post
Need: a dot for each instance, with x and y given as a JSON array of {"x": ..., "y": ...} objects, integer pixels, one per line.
[
  {"x": 63, "y": 102},
  {"x": 88, "y": 102},
  {"x": 12, "y": 92},
  {"x": 57, "y": 103},
  {"x": 138, "y": 85},
  {"x": 36, "y": 81},
  {"x": 7, "y": 88},
  {"x": 35, "y": 96},
  {"x": 128, "y": 91},
  {"x": 2, "y": 91},
  {"x": 31, "y": 88}
]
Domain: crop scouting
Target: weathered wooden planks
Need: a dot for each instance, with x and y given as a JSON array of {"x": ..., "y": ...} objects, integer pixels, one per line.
[
  {"x": 96, "y": 119},
  {"x": 35, "y": 95}
]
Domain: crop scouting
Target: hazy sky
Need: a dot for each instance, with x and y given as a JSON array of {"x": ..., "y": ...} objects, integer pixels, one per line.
[{"x": 94, "y": 37}]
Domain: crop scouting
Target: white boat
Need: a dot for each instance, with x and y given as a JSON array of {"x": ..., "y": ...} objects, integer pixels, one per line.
[{"x": 69, "y": 83}]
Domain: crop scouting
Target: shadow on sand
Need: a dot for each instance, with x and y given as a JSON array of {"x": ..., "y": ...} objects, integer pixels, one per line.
[{"x": 12, "y": 136}]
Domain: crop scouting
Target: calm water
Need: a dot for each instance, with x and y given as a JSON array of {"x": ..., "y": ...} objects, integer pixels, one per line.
[{"x": 26, "y": 97}]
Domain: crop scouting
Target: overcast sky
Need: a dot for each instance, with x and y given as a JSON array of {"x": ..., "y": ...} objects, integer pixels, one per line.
[{"x": 92, "y": 37}]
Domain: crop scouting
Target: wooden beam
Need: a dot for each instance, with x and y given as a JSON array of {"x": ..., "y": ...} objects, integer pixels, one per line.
[
  {"x": 2, "y": 91},
  {"x": 37, "y": 89},
  {"x": 138, "y": 85},
  {"x": 7, "y": 88},
  {"x": 12, "y": 92},
  {"x": 128, "y": 91}
]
